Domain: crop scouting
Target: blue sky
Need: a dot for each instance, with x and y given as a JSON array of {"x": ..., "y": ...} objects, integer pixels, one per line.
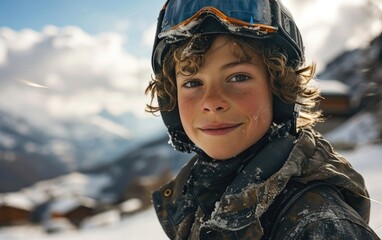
[
  {"x": 92, "y": 15},
  {"x": 130, "y": 18},
  {"x": 133, "y": 18}
]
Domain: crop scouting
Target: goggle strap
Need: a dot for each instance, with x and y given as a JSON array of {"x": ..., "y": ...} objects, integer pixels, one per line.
[{"x": 223, "y": 17}]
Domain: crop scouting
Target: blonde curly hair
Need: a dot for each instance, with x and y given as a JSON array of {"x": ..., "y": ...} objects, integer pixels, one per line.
[{"x": 290, "y": 84}]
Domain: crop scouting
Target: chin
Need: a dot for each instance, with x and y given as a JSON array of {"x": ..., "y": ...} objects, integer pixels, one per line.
[{"x": 220, "y": 156}]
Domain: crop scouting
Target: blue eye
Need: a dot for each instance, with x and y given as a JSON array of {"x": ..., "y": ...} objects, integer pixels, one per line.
[
  {"x": 239, "y": 78},
  {"x": 192, "y": 84}
]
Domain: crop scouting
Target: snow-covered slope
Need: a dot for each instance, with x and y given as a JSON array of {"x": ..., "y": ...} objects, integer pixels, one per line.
[
  {"x": 144, "y": 226},
  {"x": 49, "y": 149}
]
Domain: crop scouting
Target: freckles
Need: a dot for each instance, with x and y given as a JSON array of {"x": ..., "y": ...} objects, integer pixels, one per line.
[
  {"x": 187, "y": 103},
  {"x": 184, "y": 101}
]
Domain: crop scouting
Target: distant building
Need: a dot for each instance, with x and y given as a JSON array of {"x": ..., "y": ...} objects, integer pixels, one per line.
[
  {"x": 337, "y": 98},
  {"x": 15, "y": 208},
  {"x": 75, "y": 209}
]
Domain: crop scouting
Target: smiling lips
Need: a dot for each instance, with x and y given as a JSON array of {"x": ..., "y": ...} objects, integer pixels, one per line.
[{"x": 219, "y": 129}]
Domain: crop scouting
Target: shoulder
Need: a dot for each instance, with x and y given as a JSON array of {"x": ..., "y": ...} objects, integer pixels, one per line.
[
  {"x": 169, "y": 203},
  {"x": 320, "y": 213}
]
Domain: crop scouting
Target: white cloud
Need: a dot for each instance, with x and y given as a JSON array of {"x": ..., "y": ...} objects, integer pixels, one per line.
[
  {"x": 81, "y": 73},
  {"x": 19, "y": 41},
  {"x": 330, "y": 27},
  {"x": 122, "y": 26},
  {"x": 149, "y": 35},
  {"x": 3, "y": 52}
]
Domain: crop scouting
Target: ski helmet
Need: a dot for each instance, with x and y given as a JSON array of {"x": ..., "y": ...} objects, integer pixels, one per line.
[{"x": 179, "y": 20}]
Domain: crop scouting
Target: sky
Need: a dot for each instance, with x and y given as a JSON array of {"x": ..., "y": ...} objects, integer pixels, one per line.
[
  {"x": 129, "y": 18},
  {"x": 64, "y": 59}
]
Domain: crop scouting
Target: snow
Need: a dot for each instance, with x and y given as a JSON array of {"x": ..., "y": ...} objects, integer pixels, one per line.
[
  {"x": 360, "y": 129},
  {"x": 73, "y": 184},
  {"x": 103, "y": 219},
  {"x": 64, "y": 205},
  {"x": 365, "y": 158},
  {"x": 330, "y": 86},
  {"x": 143, "y": 226},
  {"x": 16, "y": 200},
  {"x": 131, "y": 205},
  {"x": 367, "y": 161}
]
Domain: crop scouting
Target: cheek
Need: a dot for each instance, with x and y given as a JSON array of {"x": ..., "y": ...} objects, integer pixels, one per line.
[
  {"x": 257, "y": 105},
  {"x": 185, "y": 105},
  {"x": 251, "y": 101}
]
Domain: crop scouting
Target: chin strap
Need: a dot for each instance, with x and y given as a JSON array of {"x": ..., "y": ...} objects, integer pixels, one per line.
[
  {"x": 286, "y": 113},
  {"x": 180, "y": 141}
]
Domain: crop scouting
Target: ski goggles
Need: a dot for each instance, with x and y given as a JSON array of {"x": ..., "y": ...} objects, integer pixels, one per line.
[
  {"x": 261, "y": 19},
  {"x": 243, "y": 13}
]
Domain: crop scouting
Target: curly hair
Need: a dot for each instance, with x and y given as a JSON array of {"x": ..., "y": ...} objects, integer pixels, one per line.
[{"x": 290, "y": 84}]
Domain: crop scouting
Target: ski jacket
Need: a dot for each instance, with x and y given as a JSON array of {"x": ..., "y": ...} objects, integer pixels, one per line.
[{"x": 314, "y": 194}]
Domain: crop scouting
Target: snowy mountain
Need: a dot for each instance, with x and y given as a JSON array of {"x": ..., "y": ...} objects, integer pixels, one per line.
[
  {"x": 107, "y": 183},
  {"x": 115, "y": 187},
  {"x": 361, "y": 70},
  {"x": 47, "y": 150},
  {"x": 150, "y": 157},
  {"x": 26, "y": 154}
]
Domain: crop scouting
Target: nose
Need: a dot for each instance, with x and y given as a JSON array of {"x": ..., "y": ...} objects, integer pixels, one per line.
[{"x": 214, "y": 101}]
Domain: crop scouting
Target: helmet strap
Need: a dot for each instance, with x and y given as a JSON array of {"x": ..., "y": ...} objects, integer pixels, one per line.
[{"x": 284, "y": 112}]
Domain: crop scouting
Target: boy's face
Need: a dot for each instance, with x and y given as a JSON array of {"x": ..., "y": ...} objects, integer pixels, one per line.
[{"x": 227, "y": 105}]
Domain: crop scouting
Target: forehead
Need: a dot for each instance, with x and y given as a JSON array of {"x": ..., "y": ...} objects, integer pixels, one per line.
[
  {"x": 198, "y": 51},
  {"x": 233, "y": 48}
]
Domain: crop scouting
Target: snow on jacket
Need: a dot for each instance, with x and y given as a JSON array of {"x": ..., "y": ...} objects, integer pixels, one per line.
[{"x": 333, "y": 204}]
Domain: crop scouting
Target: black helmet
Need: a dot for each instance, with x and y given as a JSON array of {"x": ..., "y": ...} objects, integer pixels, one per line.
[{"x": 260, "y": 19}]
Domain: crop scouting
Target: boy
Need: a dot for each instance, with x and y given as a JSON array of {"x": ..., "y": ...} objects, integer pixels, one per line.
[{"x": 231, "y": 88}]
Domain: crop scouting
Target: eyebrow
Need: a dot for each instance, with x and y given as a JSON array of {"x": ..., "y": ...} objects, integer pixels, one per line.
[
  {"x": 228, "y": 65},
  {"x": 236, "y": 63}
]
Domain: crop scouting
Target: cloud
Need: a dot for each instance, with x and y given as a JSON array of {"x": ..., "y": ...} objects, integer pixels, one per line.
[
  {"x": 149, "y": 35},
  {"x": 77, "y": 73},
  {"x": 80, "y": 74},
  {"x": 122, "y": 26},
  {"x": 330, "y": 28},
  {"x": 3, "y": 52}
]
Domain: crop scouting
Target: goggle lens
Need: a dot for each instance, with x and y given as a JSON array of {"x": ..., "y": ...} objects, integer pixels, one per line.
[{"x": 244, "y": 12}]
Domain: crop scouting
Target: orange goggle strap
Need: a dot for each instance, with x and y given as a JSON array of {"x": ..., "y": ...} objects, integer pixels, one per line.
[{"x": 225, "y": 18}]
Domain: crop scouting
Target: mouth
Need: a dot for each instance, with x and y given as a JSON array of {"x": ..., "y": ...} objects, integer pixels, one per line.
[{"x": 219, "y": 129}]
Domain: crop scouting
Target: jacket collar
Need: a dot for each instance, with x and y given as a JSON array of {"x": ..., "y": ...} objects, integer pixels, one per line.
[{"x": 309, "y": 158}]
